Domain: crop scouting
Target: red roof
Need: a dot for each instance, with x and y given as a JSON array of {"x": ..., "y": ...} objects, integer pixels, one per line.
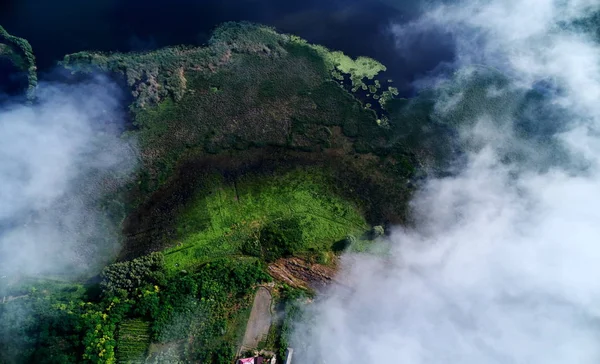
[{"x": 246, "y": 361}]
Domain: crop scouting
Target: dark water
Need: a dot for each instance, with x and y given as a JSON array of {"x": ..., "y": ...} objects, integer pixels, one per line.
[
  {"x": 357, "y": 27},
  {"x": 12, "y": 80}
]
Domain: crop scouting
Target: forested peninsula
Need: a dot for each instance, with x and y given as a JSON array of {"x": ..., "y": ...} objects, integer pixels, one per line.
[{"x": 261, "y": 157}]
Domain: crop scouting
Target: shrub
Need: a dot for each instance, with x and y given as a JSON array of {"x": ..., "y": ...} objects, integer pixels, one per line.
[
  {"x": 279, "y": 238},
  {"x": 376, "y": 232},
  {"x": 223, "y": 354},
  {"x": 126, "y": 277}
]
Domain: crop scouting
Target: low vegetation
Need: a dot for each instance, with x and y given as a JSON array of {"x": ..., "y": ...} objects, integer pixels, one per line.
[
  {"x": 133, "y": 340},
  {"x": 265, "y": 217},
  {"x": 250, "y": 88}
]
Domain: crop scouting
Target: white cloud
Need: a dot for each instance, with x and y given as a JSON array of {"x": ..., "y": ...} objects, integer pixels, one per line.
[
  {"x": 503, "y": 265},
  {"x": 54, "y": 157}
]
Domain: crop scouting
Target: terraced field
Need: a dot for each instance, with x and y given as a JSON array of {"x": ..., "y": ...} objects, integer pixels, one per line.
[{"x": 133, "y": 341}]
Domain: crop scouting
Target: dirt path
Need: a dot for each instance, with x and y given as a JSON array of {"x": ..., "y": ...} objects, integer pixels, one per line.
[{"x": 259, "y": 321}]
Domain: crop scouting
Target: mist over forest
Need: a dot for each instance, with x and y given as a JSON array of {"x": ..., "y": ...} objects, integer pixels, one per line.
[
  {"x": 59, "y": 158},
  {"x": 499, "y": 266},
  {"x": 344, "y": 181}
]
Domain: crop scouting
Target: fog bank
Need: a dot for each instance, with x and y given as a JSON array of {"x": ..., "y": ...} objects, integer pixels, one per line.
[
  {"x": 59, "y": 160},
  {"x": 502, "y": 265}
]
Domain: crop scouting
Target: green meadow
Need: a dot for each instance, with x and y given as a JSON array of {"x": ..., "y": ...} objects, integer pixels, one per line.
[{"x": 228, "y": 214}]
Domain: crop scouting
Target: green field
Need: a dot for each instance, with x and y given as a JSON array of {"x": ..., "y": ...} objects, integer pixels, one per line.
[
  {"x": 227, "y": 214},
  {"x": 133, "y": 341}
]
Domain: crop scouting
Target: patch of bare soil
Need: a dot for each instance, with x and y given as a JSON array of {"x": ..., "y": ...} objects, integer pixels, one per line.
[{"x": 299, "y": 273}]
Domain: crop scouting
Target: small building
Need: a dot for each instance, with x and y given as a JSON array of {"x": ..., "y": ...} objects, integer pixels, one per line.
[{"x": 253, "y": 360}]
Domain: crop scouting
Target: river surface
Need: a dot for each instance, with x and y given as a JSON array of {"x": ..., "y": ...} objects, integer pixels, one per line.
[{"x": 357, "y": 27}]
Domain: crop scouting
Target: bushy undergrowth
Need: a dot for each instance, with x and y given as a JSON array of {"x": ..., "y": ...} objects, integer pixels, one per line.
[
  {"x": 127, "y": 277},
  {"x": 63, "y": 323},
  {"x": 251, "y": 87},
  {"x": 277, "y": 239}
]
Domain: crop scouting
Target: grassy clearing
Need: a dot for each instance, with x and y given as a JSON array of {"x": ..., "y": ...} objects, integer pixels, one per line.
[{"x": 228, "y": 214}]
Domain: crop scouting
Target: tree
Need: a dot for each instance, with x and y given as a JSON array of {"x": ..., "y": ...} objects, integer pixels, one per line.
[
  {"x": 278, "y": 238},
  {"x": 127, "y": 277}
]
